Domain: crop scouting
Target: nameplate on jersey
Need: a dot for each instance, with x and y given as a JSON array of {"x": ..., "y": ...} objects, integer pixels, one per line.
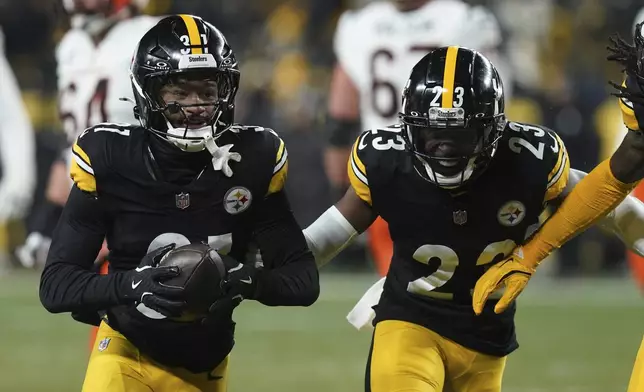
[
  {"x": 206, "y": 60},
  {"x": 440, "y": 117}
]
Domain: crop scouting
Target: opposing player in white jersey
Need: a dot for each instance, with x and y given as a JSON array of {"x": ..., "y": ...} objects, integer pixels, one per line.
[
  {"x": 93, "y": 60},
  {"x": 375, "y": 49},
  {"x": 17, "y": 159}
]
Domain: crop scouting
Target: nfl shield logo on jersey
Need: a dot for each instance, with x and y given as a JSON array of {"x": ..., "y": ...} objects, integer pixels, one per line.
[
  {"x": 460, "y": 217},
  {"x": 102, "y": 345},
  {"x": 182, "y": 200}
]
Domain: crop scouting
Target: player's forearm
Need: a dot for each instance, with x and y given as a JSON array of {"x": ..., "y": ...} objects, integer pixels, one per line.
[
  {"x": 289, "y": 276},
  {"x": 342, "y": 132},
  {"x": 627, "y": 222},
  {"x": 591, "y": 199},
  {"x": 68, "y": 287},
  {"x": 294, "y": 284},
  {"x": 329, "y": 235},
  {"x": 68, "y": 283}
]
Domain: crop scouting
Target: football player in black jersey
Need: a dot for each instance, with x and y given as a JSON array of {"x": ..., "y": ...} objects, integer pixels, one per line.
[
  {"x": 460, "y": 186},
  {"x": 169, "y": 182}
]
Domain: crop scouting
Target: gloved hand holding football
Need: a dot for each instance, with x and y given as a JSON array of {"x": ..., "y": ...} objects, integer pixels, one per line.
[{"x": 201, "y": 275}]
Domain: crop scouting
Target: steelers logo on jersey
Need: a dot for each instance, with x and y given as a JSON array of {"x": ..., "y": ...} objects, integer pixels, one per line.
[
  {"x": 511, "y": 213},
  {"x": 237, "y": 200}
]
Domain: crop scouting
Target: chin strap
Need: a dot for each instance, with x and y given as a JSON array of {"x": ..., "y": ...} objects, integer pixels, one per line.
[{"x": 221, "y": 156}]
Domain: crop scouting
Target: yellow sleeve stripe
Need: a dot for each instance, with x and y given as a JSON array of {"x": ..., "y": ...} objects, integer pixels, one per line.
[
  {"x": 279, "y": 179},
  {"x": 558, "y": 182},
  {"x": 358, "y": 175},
  {"x": 559, "y": 185},
  {"x": 628, "y": 114},
  {"x": 82, "y": 159},
  {"x": 84, "y": 180},
  {"x": 281, "y": 158},
  {"x": 193, "y": 33},
  {"x": 356, "y": 164},
  {"x": 561, "y": 158}
]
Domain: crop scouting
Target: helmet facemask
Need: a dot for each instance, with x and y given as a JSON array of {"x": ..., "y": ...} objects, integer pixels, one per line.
[
  {"x": 450, "y": 150},
  {"x": 189, "y": 106}
]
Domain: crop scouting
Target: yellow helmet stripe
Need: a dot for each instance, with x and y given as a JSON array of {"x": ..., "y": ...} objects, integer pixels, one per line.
[
  {"x": 193, "y": 33},
  {"x": 448, "y": 77}
]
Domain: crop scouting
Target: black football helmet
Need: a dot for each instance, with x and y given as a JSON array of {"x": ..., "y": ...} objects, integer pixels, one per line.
[
  {"x": 184, "y": 47},
  {"x": 452, "y": 115}
]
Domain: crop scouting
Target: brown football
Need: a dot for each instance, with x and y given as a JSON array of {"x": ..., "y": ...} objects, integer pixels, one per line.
[{"x": 201, "y": 274}]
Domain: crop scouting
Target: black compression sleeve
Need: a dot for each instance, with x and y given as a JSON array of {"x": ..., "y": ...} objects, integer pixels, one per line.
[
  {"x": 67, "y": 283},
  {"x": 290, "y": 276},
  {"x": 342, "y": 132}
]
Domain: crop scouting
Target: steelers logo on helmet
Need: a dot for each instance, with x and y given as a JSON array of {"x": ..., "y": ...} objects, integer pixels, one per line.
[
  {"x": 185, "y": 78},
  {"x": 453, "y": 115},
  {"x": 237, "y": 200},
  {"x": 511, "y": 213}
]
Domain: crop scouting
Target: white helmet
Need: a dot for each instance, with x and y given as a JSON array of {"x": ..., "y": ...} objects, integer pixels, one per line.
[
  {"x": 98, "y": 15},
  {"x": 72, "y": 6}
]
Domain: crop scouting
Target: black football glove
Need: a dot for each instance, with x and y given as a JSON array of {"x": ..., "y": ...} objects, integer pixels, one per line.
[
  {"x": 631, "y": 91},
  {"x": 240, "y": 284},
  {"x": 144, "y": 286}
]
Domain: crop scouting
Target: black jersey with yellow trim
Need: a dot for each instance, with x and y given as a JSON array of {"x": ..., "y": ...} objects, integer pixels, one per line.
[
  {"x": 444, "y": 240},
  {"x": 114, "y": 163}
]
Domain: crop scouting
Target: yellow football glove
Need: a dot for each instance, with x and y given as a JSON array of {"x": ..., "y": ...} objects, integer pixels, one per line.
[{"x": 513, "y": 273}]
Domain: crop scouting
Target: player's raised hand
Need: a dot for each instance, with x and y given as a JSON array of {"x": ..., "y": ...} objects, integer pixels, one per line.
[
  {"x": 631, "y": 91},
  {"x": 512, "y": 273}
]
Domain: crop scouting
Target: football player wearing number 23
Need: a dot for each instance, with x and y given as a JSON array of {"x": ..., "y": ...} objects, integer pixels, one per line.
[
  {"x": 166, "y": 183},
  {"x": 375, "y": 47},
  {"x": 460, "y": 186},
  {"x": 604, "y": 187}
]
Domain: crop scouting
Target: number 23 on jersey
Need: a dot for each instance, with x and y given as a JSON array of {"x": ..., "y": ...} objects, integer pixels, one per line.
[{"x": 448, "y": 264}]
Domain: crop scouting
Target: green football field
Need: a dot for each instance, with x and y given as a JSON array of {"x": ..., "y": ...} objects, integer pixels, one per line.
[{"x": 575, "y": 336}]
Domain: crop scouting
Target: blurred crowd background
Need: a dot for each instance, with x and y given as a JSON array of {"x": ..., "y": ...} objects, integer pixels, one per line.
[{"x": 555, "y": 47}]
